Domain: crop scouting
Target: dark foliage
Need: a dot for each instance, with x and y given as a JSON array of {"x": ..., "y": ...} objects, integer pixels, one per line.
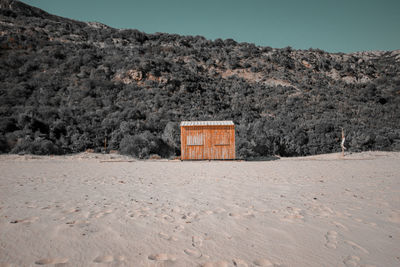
[{"x": 67, "y": 86}]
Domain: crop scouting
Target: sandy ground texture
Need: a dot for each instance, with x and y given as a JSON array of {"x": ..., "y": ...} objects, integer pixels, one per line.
[{"x": 109, "y": 210}]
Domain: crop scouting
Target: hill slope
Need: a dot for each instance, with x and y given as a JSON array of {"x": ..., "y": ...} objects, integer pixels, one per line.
[{"x": 67, "y": 86}]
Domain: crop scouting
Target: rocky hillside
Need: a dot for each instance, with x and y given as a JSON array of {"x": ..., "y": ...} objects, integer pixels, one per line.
[{"x": 67, "y": 86}]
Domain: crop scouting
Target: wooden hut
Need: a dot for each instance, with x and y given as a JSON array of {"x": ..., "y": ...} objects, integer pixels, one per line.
[{"x": 207, "y": 140}]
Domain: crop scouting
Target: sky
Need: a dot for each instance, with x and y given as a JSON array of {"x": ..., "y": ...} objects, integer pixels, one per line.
[{"x": 331, "y": 25}]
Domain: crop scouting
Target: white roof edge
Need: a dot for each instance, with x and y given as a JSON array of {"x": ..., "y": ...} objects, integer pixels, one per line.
[{"x": 200, "y": 123}]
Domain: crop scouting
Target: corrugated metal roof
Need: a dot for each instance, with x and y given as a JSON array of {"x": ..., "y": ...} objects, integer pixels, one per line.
[{"x": 201, "y": 123}]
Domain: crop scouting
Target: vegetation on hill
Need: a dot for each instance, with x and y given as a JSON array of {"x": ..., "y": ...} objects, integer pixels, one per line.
[{"x": 67, "y": 86}]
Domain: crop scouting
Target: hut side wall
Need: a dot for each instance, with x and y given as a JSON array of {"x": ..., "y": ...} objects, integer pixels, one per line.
[{"x": 207, "y": 142}]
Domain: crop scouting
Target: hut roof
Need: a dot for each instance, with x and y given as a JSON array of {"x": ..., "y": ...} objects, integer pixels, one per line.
[{"x": 201, "y": 123}]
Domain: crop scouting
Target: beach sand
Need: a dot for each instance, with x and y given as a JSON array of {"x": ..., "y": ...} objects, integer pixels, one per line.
[{"x": 110, "y": 210}]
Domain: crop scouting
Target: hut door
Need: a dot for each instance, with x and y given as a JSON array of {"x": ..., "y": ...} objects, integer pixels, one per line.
[
  {"x": 221, "y": 144},
  {"x": 195, "y": 144}
]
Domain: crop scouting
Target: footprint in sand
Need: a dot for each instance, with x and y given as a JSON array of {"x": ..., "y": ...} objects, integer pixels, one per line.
[
  {"x": 176, "y": 210},
  {"x": 339, "y": 225},
  {"x": 192, "y": 252},
  {"x": 190, "y": 217},
  {"x": 163, "y": 235},
  {"x": 134, "y": 215},
  {"x": 207, "y": 212},
  {"x": 394, "y": 217},
  {"x": 167, "y": 237},
  {"x": 292, "y": 217},
  {"x": 71, "y": 210},
  {"x": 326, "y": 212},
  {"x": 143, "y": 215},
  {"x": 162, "y": 257},
  {"x": 144, "y": 209},
  {"x": 331, "y": 239},
  {"x": 249, "y": 215},
  {"x": 219, "y": 210},
  {"x": 356, "y": 246},
  {"x": 239, "y": 263},
  {"x": 215, "y": 264},
  {"x": 167, "y": 218},
  {"x": 351, "y": 261},
  {"x": 27, "y": 220},
  {"x": 105, "y": 258},
  {"x": 108, "y": 259},
  {"x": 120, "y": 258},
  {"x": 263, "y": 262},
  {"x": 294, "y": 214},
  {"x": 197, "y": 241},
  {"x": 102, "y": 214},
  {"x": 179, "y": 228},
  {"x": 234, "y": 215},
  {"x": 77, "y": 222},
  {"x": 47, "y": 261}
]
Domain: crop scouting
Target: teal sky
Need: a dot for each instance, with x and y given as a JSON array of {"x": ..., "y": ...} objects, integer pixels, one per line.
[{"x": 331, "y": 25}]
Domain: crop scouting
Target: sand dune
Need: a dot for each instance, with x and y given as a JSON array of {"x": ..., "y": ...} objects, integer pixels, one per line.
[{"x": 107, "y": 210}]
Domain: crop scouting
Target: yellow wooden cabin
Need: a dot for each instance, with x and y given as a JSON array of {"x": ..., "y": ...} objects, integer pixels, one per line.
[{"x": 205, "y": 140}]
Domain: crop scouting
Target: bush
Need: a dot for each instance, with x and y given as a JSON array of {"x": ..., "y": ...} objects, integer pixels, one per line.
[
  {"x": 171, "y": 136},
  {"x": 37, "y": 147},
  {"x": 139, "y": 146},
  {"x": 3, "y": 144}
]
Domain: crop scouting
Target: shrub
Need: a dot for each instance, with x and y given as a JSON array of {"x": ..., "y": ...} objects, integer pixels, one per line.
[
  {"x": 3, "y": 144},
  {"x": 37, "y": 147},
  {"x": 139, "y": 146},
  {"x": 171, "y": 136}
]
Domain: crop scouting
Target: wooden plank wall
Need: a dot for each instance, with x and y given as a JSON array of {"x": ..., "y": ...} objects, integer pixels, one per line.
[{"x": 208, "y": 142}]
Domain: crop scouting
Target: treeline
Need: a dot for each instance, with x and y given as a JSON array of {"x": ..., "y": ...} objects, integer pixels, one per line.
[{"x": 68, "y": 86}]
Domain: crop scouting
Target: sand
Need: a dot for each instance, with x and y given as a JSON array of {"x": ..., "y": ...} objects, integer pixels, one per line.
[{"x": 107, "y": 210}]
